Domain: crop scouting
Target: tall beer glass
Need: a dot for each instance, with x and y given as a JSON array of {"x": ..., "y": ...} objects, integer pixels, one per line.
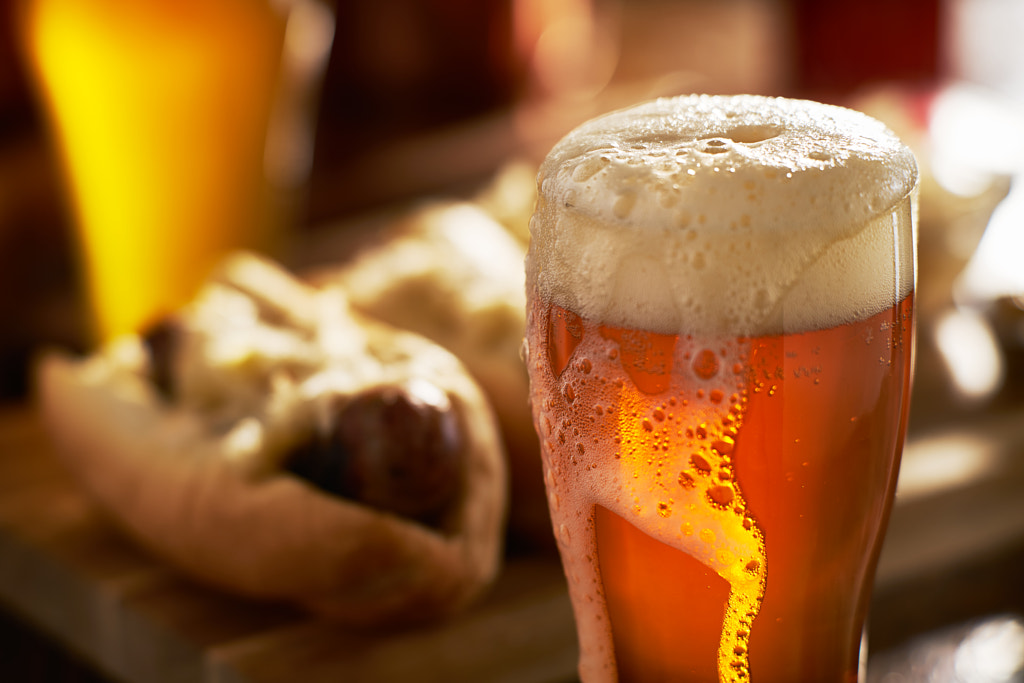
[
  {"x": 720, "y": 320},
  {"x": 168, "y": 117}
]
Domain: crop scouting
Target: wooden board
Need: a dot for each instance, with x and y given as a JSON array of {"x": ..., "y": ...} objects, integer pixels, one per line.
[{"x": 66, "y": 568}]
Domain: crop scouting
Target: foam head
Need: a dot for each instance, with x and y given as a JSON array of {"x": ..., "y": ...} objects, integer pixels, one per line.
[{"x": 741, "y": 214}]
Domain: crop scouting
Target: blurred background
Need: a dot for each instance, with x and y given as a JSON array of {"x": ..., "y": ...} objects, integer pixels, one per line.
[
  {"x": 402, "y": 99},
  {"x": 386, "y": 102},
  {"x": 359, "y": 106}
]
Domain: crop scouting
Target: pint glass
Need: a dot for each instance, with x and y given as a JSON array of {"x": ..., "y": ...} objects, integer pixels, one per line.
[
  {"x": 164, "y": 115},
  {"x": 719, "y": 340}
]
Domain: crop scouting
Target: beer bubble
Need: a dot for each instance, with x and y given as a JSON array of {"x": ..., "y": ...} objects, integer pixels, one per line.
[
  {"x": 664, "y": 509},
  {"x": 624, "y": 204},
  {"x": 585, "y": 366},
  {"x": 686, "y": 480},
  {"x": 753, "y": 566},
  {"x": 705, "y": 365},
  {"x": 707, "y": 535},
  {"x": 569, "y": 393},
  {"x": 589, "y": 168},
  {"x": 715, "y": 146},
  {"x": 721, "y": 495},
  {"x": 648, "y": 427},
  {"x": 716, "y": 395},
  {"x": 553, "y": 501},
  {"x": 724, "y": 445},
  {"x": 700, "y": 463},
  {"x": 687, "y": 528},
  {"x": 658, "y": 414},
  {"x": 563, "y": 535}
]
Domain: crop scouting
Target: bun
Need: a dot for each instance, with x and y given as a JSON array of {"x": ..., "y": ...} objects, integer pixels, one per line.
[
  {"x": 450, "y": 271},
  {"x": 196, "y": 450}
]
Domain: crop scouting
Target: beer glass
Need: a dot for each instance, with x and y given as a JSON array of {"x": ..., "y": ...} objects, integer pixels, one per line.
[
  {"x": 169, "y": 118},
  {"x": 719, "y": 337}
]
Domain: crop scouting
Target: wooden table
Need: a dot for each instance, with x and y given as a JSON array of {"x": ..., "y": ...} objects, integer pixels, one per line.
[{"x": 65, "y": 569}]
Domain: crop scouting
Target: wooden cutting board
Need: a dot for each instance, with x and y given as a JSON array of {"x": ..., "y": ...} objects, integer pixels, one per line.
[{"x": 67, "y": 569}]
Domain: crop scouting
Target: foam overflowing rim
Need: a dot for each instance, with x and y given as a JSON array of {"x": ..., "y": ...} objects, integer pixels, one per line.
[{"x": 742, "y": 214}]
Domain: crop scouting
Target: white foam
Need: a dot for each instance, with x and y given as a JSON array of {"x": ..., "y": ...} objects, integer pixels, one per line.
[{"x": 737, "y": 214}]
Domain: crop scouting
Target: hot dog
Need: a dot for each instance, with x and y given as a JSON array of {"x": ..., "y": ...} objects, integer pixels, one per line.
[{"x": 270, "y": 440}]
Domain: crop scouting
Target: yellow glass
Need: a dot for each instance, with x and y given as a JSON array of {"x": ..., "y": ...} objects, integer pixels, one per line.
[{"x": 160, "y": 112}]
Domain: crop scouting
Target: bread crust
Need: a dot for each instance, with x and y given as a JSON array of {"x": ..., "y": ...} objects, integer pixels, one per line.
[
  {"x": 449, "y": 271},
  {"x": 181, "y": 490}
]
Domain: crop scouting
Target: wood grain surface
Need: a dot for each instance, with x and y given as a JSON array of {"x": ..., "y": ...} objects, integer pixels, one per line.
[
  {"x": 67, "y": 569},
  {"x": 952, "y": 556}
]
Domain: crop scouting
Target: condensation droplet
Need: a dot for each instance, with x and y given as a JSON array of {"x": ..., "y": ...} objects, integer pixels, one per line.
[
  {"x": 721, "y": 495},
  {"x": 724, "y": 445},
  {"x": 700, "y": 463}
]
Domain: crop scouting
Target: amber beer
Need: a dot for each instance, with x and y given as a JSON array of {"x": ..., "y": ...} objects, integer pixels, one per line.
[{"x": 719, "y": 340}]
